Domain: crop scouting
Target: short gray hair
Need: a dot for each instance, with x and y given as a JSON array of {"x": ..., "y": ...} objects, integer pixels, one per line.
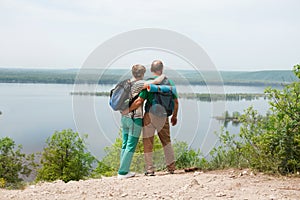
[{"x": 156, "y": 66}]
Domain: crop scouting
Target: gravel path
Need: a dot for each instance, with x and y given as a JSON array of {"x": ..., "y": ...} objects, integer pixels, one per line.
[{"x": 226, "y": 184}]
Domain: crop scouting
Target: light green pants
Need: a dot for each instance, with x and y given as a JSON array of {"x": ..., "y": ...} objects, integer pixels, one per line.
[{"x": 131, "y": 131}]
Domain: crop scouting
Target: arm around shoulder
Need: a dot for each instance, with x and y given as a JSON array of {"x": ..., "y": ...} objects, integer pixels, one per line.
[
  {"x": 157, "y": 80},
  {"x": 139, "y": 101}
]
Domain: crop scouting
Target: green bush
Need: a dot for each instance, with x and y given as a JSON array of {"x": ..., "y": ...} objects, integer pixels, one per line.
[
  {"x": 13, "y": 163},
  {"x": 278, "y": 136},
  {"x": 268, "y": 143},
  {"x": 185, "y": 157},
  {"x": 103, "y": 169},
  {"x": 227, "y": 154},
  {"x": 65, "y": 157},
  {"x": 110, "y": 163}
]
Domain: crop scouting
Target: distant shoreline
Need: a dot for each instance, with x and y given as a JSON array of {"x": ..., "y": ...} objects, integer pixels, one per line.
[
  {"x": 256, "y": 84},
  {"x": 208, "y": 97},
  {"x": 180, "y": 77}
]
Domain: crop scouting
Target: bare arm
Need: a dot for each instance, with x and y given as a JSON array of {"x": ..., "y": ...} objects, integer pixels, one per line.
[
  {"x": 175, "y": 112},
  {"x": 157, "y": 80},
  {"x": 139, "y": 101}
]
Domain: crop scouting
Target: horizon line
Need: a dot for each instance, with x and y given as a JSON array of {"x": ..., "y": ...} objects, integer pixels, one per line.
[{"x": 123, "y": 68}]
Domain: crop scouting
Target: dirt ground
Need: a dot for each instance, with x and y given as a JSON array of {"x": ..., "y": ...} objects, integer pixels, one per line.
[{"x": 225, "y": 184}]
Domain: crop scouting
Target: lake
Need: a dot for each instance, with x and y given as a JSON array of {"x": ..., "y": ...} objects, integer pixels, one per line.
[{"x": 33, "y": 112}]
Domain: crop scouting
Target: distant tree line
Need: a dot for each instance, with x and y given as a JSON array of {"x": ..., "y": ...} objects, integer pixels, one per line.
[{"x": 113, "y": 76}]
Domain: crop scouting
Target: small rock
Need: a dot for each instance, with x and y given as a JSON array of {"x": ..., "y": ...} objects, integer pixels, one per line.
[
  {"x": 45, "y": 192},
  {"x": 221, "y": 194},
  {"x": 190, "y": 185},
  {"x": 58, "y": 181},
  {"x": 194, "y": 182},
  {"x": 83, "y": 192},
  {"x": 245, "y": 172},
  {"x": 12, "y": 196},
  {"x": 64, "y": 191},
  {"x": 32, "y": 186},
  {"x": 124, "y": 195},
  {"x": 197, "y": 173},
  {"x": 238, "y": 184},
  {"x": 184, "y": 188},
  {"x": 144, "y": 194},
  {"x": 71, "y": 182}
]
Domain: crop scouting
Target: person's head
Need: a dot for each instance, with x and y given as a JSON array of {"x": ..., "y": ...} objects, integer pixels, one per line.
[
  {"x": 157, "y": 67},
  {"x": 138, "y": 71}
]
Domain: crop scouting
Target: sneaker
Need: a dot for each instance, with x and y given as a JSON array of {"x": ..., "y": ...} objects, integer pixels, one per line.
[
  {"x": 149, "y": 173},
  {"x": 128, "y": 175}
]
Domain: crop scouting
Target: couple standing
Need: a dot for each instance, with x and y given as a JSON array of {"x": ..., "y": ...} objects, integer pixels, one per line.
[{"x": 133, "y": 121}]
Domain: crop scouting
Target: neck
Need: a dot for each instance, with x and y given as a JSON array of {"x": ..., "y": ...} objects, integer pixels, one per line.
[{"x": 136, "y": 79}]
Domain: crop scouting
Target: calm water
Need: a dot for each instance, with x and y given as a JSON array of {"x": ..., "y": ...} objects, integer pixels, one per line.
[{"x": 32, "y": 112}]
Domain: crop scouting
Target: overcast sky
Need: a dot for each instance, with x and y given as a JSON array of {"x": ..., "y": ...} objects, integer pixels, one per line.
[{"x": 237, "y": 35}]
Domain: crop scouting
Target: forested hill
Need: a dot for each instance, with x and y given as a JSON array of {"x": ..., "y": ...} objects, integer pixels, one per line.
[{"x": 111, "y": 76}]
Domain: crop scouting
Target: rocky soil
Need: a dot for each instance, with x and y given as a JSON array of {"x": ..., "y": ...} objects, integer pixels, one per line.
[{"x": 226, "y": 184}]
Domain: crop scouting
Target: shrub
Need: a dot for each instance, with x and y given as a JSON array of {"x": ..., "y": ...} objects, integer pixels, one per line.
[
  {"x": 227, "y": 154},
  {"x": 110, "y": 163},
  {"x": 103, "y": 169},
  {"x": 65, "y": 157},
  {"x": 281, "y": 132},
  {"x": 268, "y": 143},
  {"x": 13, "y": 163},
  {"x": 108, "y": 166},
  {"x": 185, "y": 157}
]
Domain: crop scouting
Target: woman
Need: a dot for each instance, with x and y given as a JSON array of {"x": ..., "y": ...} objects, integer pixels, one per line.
[{"x": 132, "y": 122}]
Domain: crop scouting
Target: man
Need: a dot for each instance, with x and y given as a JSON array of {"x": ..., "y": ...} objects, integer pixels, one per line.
[
  {"x": 154, "y": 123},
  {"x": 132, "y": 122}
]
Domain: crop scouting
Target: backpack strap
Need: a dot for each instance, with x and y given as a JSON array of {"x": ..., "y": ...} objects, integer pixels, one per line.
[{"x": 132, "y": 99}]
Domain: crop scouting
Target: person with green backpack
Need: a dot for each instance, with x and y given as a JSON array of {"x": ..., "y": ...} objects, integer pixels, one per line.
[
  {"x": 159, "y": 107},
  {"x": 132, "y": 122}
]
